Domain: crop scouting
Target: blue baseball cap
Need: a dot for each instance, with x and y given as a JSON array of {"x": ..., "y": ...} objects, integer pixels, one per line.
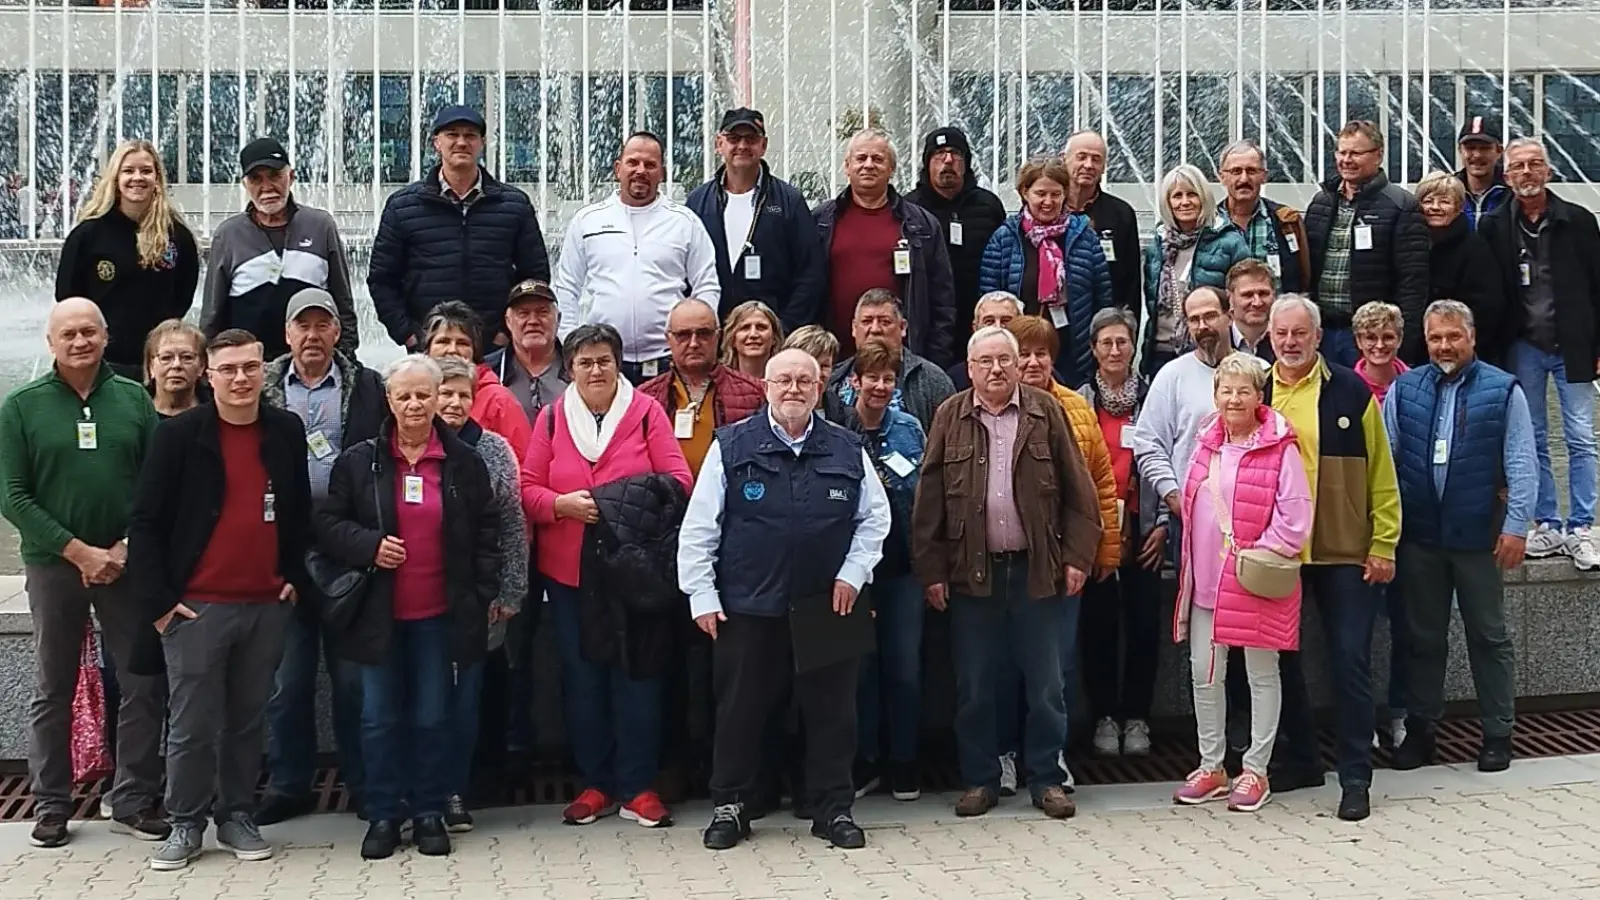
[{"x": 457, "y": 115}]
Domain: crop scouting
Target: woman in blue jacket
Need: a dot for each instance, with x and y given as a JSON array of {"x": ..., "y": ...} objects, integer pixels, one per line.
[
  {"x": 1187, "y": 252},
  {"x": 1052, "y": 260}
]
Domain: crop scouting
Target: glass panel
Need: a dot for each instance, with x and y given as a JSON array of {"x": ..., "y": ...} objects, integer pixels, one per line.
[
  {"x": 1441, "y": 125},
  {"x": 605, "y": 129},
  {"x": 1361, "y": 101},
  {"x": 1208, "y": 120},
  {"x": 394, "y": 128},
  {"x": 1486, "y": 92},
  {"x": 1050, "y": 108},
  {"x": 1130, "y": 128},
  {"x": 1286, "y": 114},
  {"x": 312, "y": 109},
  {"x": 358, "y": 129},
  {"x": 972, "y": 103},
  {"x": 522, "y": 105},
  {"x": 1572, "y": 124}
]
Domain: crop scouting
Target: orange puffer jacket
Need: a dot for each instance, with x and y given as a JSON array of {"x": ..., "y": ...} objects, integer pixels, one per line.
[{"x": 1086, "y": 431}]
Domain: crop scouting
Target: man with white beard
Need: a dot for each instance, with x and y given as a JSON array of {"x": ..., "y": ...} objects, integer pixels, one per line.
[{"x": 273, "y": 250}]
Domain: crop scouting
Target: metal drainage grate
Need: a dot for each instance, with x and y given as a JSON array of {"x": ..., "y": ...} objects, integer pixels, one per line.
[{"x": 1172, "y": 756}]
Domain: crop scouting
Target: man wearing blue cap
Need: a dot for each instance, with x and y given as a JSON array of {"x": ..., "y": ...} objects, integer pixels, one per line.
[{"x": 458, "y": 234}]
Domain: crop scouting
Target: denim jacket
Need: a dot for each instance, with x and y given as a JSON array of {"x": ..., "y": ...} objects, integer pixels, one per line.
[{"x": 899, "y": 433}]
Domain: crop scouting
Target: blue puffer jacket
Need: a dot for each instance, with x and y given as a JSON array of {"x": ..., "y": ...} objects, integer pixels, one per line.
[
  {"x": 428, "y": 251},
  {"x": 1214, "y": 254},
  {"x": 1005, "y": 267}
]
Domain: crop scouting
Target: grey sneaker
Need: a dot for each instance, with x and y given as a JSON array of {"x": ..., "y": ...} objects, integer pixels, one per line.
[
  {"x": 1107, "y": 737},
  {"x": 182, "y": 846},
  {"x": 1136, "y": 738},
  {"x": 1545, "y": 541},
  {"x": 1008, "y": 774},
  {"x": 241, "y": 835}
]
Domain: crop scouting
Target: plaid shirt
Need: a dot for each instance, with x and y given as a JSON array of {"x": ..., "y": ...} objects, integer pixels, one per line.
[
  {"x": 1261, "y": 233},
  {"x": 1333, "y": 288}
]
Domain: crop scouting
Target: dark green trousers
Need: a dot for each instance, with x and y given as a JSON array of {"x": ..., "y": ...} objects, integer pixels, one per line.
[{"x": 1430, "y": 578}]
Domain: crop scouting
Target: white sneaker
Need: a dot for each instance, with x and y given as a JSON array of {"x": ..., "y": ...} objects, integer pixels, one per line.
[
  {"x": 1068, "y": 783},
  {"x": 1545, "y": 542},
  {"x": 1136, "y": 738},
  {"x": 105, "y": 810},
  {"x": 1008, "y": 774},
  {"x": 1580, "y": 546},
  {"x": 1377, "y": 743},
  {"x": 1107, "y": 737},
  {"x": 1397, "y": 730}
]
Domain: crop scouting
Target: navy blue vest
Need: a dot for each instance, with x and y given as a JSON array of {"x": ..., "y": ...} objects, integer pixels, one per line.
[
  {"x": 787, "y": 520},
  {"x": 1468, "y": 516}
]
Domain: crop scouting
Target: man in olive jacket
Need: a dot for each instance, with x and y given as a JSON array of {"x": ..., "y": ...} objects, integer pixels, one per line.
[{"x": 1005, "y": 525}]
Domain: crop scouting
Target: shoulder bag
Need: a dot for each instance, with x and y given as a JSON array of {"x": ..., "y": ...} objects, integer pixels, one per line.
[
  {"x": 1262, "y": 572},
  {"x": 343, "y": 589}
]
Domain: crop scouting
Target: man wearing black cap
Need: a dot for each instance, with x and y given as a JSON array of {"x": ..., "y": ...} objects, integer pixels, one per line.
[
  {"x": 273, "y": 250},
  {"x": 1480, "y": 169},
  {"x": 766, "y": 239},
  {"x": 948, "y": 188},
  {"x": 458, "y": 234}
]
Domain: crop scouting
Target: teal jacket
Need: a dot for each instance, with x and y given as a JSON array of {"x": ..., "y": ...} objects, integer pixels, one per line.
[{"x": 1214, "y": 254}]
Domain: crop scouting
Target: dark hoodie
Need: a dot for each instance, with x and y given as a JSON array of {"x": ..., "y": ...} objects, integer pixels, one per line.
[
  {"x": 979, "y": 213},
  {"x": 1480, "y": 205}
]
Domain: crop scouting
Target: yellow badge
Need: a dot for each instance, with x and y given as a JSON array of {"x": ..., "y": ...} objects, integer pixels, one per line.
[
  {"x": 1344, "y": 422},
  {"x": 106, "y": 270}
]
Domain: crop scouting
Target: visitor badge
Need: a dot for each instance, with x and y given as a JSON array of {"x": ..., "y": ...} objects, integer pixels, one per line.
[
  {"x": 1127, "y": 436},
  {"x": 88, "y": 437},
  {"x": 1109, "y": 249},
  {"x": 898, "y": 464},
  {"x": 269, "y": 511},
  {"x": 1292, "y": 241},
  {"x": 318, "y": 444},
  {"x": 1441, "y": 451},
  {"x": 752, "y": 267},
  {"x": 650, "y": 368},
  {"x": 683, "y": 424},
  {"x": 1058, "y": 315},
  {"x": 413, "y": 488},
  {"x": 902, "y": 260},
  {"x": 1527, "y": 273},
  {"x": 1275, "y": 265},
  {"x": 955, "y": 234},
  {"x": 1363, "y": 234}
]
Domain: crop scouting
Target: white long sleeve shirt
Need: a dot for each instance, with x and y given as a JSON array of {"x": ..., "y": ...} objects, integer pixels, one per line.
[
  {"x": 700, "y": 536},
  {"x": 626, "y": 266},
  {"x": 1180, "y": 396}
]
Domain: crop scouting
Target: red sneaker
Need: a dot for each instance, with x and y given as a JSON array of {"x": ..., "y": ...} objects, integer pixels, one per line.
[
  {"x": 590, "y": 805},
  {"x": 648, "y": 810}
]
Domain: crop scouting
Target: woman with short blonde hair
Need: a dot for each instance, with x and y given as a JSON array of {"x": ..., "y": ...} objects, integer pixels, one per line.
[
  {"x": 174, "y": 358},
  {"x": 1462, "y": 267},
  {"x": 1188, "y": 251}
]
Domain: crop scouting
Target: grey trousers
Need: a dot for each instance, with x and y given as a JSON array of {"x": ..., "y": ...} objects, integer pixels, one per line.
[
  {"x": 220, "y": 670},
  {"x": 1429, "y": 577},
  {"x": 59, "y": 604}
]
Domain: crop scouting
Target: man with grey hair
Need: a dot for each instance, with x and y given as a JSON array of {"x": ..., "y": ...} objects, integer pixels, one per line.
[
  {"x": 1548, "y": 249},
  {"x": 1368, "y": 242},
  {"x": 921, "y": 386},
  {"x": 996, "y": 308},
  {"x": 1463, "y": 438},
  {"x": 1274, "y": 232},
  {"x": 1112, "y": 218},
  {"x": 874, "y": 238},
  {"x": 1004, "y": 540},
  {"x": 699, "y": 393}
]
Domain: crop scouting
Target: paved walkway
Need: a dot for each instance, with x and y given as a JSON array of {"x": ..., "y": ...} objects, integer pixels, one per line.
[{"x": 1442, "y": 834}]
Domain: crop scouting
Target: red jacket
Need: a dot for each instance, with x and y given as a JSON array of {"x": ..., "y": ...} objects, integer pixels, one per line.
[
  {"x": 735, "y": 396},
  {"x": 497, "y": 410}
]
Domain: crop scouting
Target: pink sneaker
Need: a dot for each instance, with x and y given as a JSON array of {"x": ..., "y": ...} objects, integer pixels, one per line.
[
  {"x": 1202, "y": 786},
  {"x": 1250, "y": 792}
]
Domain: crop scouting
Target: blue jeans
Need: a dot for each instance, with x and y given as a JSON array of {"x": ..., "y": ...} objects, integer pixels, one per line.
[
  {"x": 1339, "y": 346},
  {"x": 1533, "y": 367},
  {"x": 1349, "y": 608},
  {"x": 986, "y": 633},
  {"x": 1399, "y": 647},
  {"x": 406, "y": 738},
  {"x": 1011, "y": 702},
  {"x": 292, "y": 711},
  {"x": 613, "y": 720},
  {"x": 465, "y": 696},
  {"x": 892, "y": 678}
]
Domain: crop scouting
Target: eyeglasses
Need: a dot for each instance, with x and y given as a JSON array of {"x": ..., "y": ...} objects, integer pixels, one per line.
[
  {"x": 167, "y": 359},
  {"x": 593, "y": 364},
  {"x": 990, "y": 362},
  {"x": 231, "y": 371},
  {"x": 687, "y": 334},
  {"x": 1355, "y": 154},
  {"x": 788, "y": 382},
  {"x": 1238, "y": 171}
]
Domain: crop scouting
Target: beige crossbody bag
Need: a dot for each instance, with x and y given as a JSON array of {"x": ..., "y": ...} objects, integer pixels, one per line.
[{"x": 1262, "y": 572}]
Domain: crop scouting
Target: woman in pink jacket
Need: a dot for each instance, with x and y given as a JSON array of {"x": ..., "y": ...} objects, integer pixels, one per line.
[
  {"x": 597, "y": 432},
  {"x": 1247, "y": 479}
]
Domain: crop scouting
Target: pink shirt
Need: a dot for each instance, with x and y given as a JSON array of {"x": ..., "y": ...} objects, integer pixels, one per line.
[
  {"x": 1000, "y": 516},
  {"x": 1291, "y": 520},
  {"x": 1378, "y": 390},
  {"x": 419, "y": 583},
  {"x": 553, "y": 466}
]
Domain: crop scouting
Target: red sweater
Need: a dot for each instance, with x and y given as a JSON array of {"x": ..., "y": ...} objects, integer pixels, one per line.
[
  {"x": 240, "y": 564},
  {"x": 860, "y": 259},
  {"x": 419, "y": 583}
]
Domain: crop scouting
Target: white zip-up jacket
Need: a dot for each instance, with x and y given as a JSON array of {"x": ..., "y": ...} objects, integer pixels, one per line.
[{"x": 626, "y": 267}]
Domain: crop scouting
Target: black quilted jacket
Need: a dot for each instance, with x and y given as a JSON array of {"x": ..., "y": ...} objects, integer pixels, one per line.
[{"x": 629, "y": 577}]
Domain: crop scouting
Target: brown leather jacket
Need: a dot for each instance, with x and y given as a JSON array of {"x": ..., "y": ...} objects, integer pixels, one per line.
[{"x": 1054, "y": 494}]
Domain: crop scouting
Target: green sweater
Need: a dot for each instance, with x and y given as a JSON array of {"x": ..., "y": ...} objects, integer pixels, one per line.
[{"x": 53, "y": 490}]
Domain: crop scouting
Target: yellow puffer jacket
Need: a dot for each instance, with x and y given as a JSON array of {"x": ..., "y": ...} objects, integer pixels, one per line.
[{"x": 1086, "y": 431}]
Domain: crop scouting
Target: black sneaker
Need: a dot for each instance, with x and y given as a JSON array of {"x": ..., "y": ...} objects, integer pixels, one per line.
[
  {"x": 905, "y": 781},
  {"x": 430, "y": 836},
  {"x": 1355, "y": 804},
  {"x": 1495, "y": 755},
  {"x": 277, "y": 808},
  {"x": 866, "y": 776},
  {"x": 142, "y": 826},
  {"x": 842, "y": 832},
  {"x": 382, "y": 840},
  {"x": 50, "y": 831},
  {"x": 1417, "y": 751},
  {"x": 728, "y": 827},
  {"x": 456, "y": 818},
  {"x": 1292, "y": 778}
]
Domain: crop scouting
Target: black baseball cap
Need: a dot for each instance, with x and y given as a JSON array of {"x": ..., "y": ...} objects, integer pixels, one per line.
[
  {"x": 262, "y": 153},
  {"x": 459, "y": 115},
  {"x": 1480, "y": 130},
  {"x": 733, "y": 118}
]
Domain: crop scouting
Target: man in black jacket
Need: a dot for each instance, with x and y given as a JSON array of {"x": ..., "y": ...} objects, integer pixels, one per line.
[
  {"x": 948, "y": 188},
  {"x": 1549, "y": 253},
  {"x": 220, "y": 527},
  {"x": 458, "y": 234},
  {"x": 1113, "y": 219},
  {"x": 1368, "y": 242},
  {"x": 765, "y": 236}
]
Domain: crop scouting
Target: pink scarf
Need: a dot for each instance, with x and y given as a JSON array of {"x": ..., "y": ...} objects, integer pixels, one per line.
[{"x": 1052, "y": 258}]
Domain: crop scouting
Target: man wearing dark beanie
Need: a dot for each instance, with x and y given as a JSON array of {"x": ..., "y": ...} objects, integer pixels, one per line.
[{"x": 969, "y": 214}]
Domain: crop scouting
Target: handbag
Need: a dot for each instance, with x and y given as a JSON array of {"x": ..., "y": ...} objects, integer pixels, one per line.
[
  {"x": 91, "y": 758},
  {"x": 343, "y": 589},
  {"x": 1262, "y": 572}
]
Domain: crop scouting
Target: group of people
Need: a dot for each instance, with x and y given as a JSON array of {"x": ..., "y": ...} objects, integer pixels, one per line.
[{"x": 765, "y": 459}]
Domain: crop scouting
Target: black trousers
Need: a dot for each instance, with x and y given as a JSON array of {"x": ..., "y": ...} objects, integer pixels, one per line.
[
  {"x": 1121, "y": 613},
  {"x": 753, "y": 672}
]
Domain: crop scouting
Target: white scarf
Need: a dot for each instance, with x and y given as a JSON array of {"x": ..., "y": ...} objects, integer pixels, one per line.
[{"x": 591, "y": 439}]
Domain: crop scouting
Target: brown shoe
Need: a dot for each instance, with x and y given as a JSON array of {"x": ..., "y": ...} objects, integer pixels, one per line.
[
  {"x": 1055, "y": 803},
  {"x": 975, "y": 802}
]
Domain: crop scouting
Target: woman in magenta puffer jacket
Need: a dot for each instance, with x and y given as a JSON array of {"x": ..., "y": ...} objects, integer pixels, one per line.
[{"x": 1246, "y": 479}]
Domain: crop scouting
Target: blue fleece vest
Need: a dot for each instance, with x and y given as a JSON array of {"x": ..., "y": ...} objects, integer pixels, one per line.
[
  {"x": 1466, "y": 517},
  {"x": 787, "y": 520}
]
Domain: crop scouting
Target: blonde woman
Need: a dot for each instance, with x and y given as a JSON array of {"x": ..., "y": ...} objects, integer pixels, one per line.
[
  {"x": 131, "y": 253},
  {"x": 1460, "y": 264},
  {"x": 174, "y": 359},
  {"x": 1188, "y": 251},
  {"x": 750, "y": 335}
]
